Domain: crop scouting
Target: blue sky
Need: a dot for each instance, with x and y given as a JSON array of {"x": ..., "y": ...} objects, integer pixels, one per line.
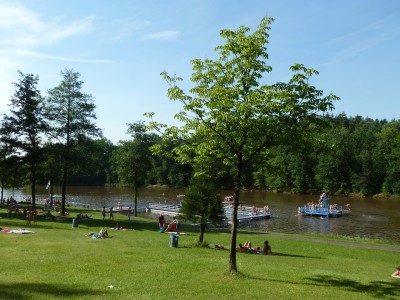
[{"x": 120, "y": 48}]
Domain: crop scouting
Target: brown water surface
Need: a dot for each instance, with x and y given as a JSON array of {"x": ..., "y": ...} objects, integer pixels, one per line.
[{"x": 369, "y": 218}]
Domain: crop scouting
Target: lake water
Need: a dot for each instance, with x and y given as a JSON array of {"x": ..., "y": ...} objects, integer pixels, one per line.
[{"x": 369, "y": 218}]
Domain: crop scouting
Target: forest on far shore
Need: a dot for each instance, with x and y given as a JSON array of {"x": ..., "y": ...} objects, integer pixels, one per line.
[{"x": 353, "y": 155}]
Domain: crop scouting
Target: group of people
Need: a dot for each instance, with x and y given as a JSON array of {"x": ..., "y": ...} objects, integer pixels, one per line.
[
  {"x": 246, "y": 248},
  {"x": 83, "y": 217},
  {"x": 111, "y": 212},
  {"x": 171, "y": 227},
  {"x": 129, "y": 214},
  {"x": 31, "y": 215}
]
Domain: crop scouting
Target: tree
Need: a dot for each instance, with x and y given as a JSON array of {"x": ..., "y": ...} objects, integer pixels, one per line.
[
  {"x": 334, "y": 168},
  {"x": 202, "y": 204},
  {"x": 389, "y": 149},
  {"x": 94, "y": 168},
  {"x": 71, "y": 113},
  {"x": 230, "y": 117},
  {"x": 132, "y": 159},
  {"x": 23, "y": 129},
  {"x": 367, "y": 178}
]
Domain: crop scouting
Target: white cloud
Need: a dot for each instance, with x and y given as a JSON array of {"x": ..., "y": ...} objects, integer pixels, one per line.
[
  {"x": 14, "y": 17},
  {"x": 22, "y": 27},
  {"x": 21, "y": 30},
  {"x": 162, "y": 35},
  {"x": 52, "y": 57},
  {"x": 375, "y": 28},
  {"x": 353, "y": 43}
]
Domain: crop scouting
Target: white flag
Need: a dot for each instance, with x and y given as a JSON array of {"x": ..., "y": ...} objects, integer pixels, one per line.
[{"x": 48, "y": 185}]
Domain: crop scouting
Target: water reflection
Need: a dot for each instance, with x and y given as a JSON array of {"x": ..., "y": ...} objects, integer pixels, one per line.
[{"x": 370, "y": 218}]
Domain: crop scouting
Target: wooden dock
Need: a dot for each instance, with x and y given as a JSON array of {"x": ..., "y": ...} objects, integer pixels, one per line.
[
  {"x": 165, "y": 209},
  {"x": 245, "y": 214},
  {"x": 321, "y": 209}
]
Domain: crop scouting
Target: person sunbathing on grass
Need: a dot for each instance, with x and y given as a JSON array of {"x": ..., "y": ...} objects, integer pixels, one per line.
[
  {"x": 244, "y": 249},
  {"x": 103, "y": 233},
  {"x": 397, "y": 273}
]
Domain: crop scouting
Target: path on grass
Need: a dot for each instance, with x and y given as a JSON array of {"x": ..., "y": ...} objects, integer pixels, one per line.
[{"x": 340, "y": 243}]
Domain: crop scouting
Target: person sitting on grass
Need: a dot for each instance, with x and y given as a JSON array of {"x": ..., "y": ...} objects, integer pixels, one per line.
[
  {"x": 267, "y": 249},
  {"x": 103, "y": 233},
  {"x": 171, "y": 226},
  {"x": 397, "y": 273}
]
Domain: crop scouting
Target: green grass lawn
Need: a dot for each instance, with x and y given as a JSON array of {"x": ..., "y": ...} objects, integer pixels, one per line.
[{"x": 60, "y": 262}]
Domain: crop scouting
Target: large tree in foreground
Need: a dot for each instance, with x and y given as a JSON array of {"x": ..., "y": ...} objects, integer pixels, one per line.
[
  {"x": 72, "y": 114},
  {"x": 232, "y": 117},
  {"x": 24, "y": 128}
]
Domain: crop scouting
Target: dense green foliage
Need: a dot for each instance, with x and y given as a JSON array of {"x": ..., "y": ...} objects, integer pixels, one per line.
[
  {"x": 231, "y": 118},
  {"x": 60, "y": 262},
  {"x": 132, "y": 159},
  {"x": 71, "y": 113},
  {"x": 24, "y": 128},
  {"x": 353, "y": 155},
  {"x": 202, "y": 204}
]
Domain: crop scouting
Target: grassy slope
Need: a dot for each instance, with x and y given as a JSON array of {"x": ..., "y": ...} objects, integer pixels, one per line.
[{"x": 59, "y": 261}]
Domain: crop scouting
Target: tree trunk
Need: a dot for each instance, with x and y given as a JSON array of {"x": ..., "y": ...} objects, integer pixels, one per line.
[
  {"x": 64, "y": 188},
  {"x": 136, "y": 194},
  {"x": 236, "y": 193},
  {"x": 202, "y": 230},
  {"x": 66, "y": 158},
  {"x": 33, "y": 185},
  {"x": 65, "y": 172}
]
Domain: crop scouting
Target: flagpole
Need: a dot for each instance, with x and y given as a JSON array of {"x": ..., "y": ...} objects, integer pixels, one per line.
[{"x": 48, "y": 187}]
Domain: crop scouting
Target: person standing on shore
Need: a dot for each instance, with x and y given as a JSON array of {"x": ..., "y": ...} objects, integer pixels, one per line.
[
  {"x": 129, "y": 213},
  {"x": 161, "y": 222},
  {"x": 111, "y": 213}
]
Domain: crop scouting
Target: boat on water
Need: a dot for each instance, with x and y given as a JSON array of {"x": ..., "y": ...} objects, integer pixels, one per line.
[{"x": 323, "y": 208}]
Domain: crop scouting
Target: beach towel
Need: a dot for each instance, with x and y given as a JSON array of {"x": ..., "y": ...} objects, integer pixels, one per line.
[{"x": 20, "y": 231}]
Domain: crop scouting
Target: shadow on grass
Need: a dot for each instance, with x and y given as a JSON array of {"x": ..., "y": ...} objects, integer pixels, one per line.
[
  {"x": 376, "y": 289},
  {"x": 282, "y": 254},
  {"x": 17, "y": 290},
  {"x": 295, "y": 255}
]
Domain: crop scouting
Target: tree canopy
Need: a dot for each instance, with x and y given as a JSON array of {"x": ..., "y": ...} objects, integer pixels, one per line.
[
  {"x": 202, "y": 204},
  {"x": 24, "y": 128},
  {"x": 231, "y": 116},
  {"x": 71, "y": 113}
]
